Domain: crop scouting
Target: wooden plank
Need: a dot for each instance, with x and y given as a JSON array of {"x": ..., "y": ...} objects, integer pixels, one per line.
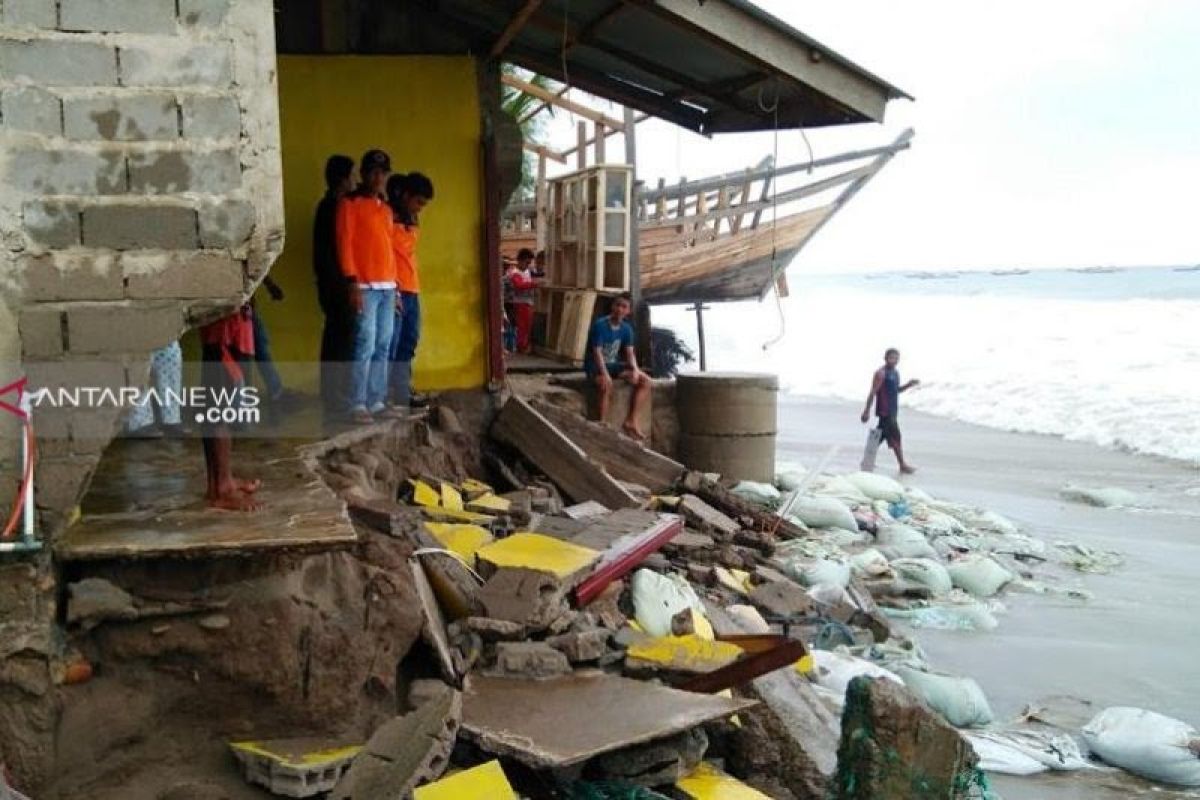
[
  {"x": 581, "y": 144},
  {"x": 514, "y": 27},
  {"x": 563, "y": 102},
  {"x": 545, "y": 152},
  {"x": 563, "y": 461},
  {"x": 622, "y": 457},
  {"x": 729, "y": 503},
  {"x": 601, "y": 155},
  {"x": 588, "y": 143},
  {"x": 744, "y": 195}
]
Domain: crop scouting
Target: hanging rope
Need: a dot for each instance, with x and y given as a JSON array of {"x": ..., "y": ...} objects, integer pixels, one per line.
[{"x": 773, "y": 265}]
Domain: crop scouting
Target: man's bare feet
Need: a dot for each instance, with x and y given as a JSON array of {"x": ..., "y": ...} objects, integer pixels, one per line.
[
  {"x": 631, "y": 430},
  {"x": 907, "y": 469},
  {"x": 234, "y": 500},
  {"x": 247, "y": 485},
  {"x": 360, "y": 416}
]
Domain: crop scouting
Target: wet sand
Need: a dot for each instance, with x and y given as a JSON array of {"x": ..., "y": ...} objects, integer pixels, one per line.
[{"x": 1133, "y": 644}]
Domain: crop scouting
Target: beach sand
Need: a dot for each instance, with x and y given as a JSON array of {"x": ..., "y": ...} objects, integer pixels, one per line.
[{"x": 1132, "y": 644}]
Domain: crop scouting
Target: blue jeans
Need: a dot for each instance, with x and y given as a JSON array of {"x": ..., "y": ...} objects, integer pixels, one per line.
[
  {"x": 405, "y": 337},
  {"x": 372, "y": 339}
]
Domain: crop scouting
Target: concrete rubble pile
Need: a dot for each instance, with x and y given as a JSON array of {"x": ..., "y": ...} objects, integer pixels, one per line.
[{"x": 601, "y": 622}]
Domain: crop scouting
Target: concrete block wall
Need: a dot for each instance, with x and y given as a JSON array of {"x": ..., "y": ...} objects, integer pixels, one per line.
[{"x": 140, "y": 193}]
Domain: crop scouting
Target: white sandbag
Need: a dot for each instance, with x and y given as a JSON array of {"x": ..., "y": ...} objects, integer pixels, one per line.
[
  {"x": 991, "y": 521},
  {"x": 916, "y": 495},
  {"x": 959, "y": 700},
  {"x": 827, "y": 595},
  {"x": 1021, "y": 752},
  {"x": 1145, "y": 743},
  {"x": 1101, "y": 497},
  {"x": 834, "y": 671},
  {"x": 839, "y": 487},
  {"x": 924, "y": 571},
  {"x": 902, "y": 541},
  {"x": 934, "y": 522},
  {"x": 876, "y": 487},
  {"x": 840, "y": 537},
  {"x": 978, "y": 575},
  {"x": 789, "y": 476},
  {"x": 657, "y": 598},
  {"x": 821, "y": 572},
  {"x": 869, "y": 564},
  {"x": 760, "y": 494},
  {"x": 823, "y": 512}
]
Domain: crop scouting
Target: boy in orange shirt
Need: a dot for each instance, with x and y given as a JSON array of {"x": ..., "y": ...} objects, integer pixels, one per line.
[
  {"x": 408, "y": 195},
  {"x": 364, "y": 242}
]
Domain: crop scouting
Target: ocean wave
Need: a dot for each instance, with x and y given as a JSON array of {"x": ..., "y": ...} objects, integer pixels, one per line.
[{"x": 1117, "y": 373}]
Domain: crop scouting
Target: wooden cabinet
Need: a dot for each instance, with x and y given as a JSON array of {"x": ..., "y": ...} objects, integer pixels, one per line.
[{"x": 588, "y": 235}]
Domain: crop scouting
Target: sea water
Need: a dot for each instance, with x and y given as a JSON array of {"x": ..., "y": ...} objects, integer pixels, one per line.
[{"x": 1104, "y": 355}]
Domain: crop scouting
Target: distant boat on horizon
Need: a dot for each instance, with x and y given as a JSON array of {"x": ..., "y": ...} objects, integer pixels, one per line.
[
  {"x": 1010, "y": 272},
  {"x": 928, "y": 276},
  {"x": 1194, "y": 268},
  {"x": 1098, "y": 270}
]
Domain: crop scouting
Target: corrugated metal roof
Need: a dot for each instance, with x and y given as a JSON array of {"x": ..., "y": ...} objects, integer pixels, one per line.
[{"x": 712, "y": 66}]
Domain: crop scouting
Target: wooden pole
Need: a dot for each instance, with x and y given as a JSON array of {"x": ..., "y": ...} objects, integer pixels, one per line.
[
  {"x": 645, "y": 352},
  {"x": 581, "y": 144},
  {"x": 539, "y": 197},
  {"x": 599, "y": 139},
  {"x": 699, "y": 308}
]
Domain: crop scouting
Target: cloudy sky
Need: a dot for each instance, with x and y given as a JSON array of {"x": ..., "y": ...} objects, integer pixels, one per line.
[{"x": 1062, "y": 133}]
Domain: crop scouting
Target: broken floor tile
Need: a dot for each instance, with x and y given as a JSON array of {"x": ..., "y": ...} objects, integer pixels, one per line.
[{"x": 484, "y": 782}]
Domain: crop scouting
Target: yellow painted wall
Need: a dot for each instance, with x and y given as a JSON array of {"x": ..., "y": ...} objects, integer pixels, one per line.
[{"x": 423, "y": 110}]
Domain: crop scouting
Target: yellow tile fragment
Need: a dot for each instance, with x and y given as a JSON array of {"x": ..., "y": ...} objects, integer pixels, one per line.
[
  {"x": 539, "y": 552},
  {"x": 709, "y": 783},
  {"x": 485, "y": 782},
  {"x": 465, "y": 540},
  {"x": 489, "y": 503},
  {"x": 472, "y": 488},
  {"x": 424, "y": 494},
  {"x": 736, "y": 579},
  {"x": 687, "y": 653},
  {"x": 297, "y": 760},
  {"x": 450, "y": 497},
  {"x": 702, "y": 627}
]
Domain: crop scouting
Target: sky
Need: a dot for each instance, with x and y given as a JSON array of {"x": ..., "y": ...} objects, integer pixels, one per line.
[{"x": 1056, "y": 133}]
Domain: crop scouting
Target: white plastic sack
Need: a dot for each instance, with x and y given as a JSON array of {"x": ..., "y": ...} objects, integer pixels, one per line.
[
  {"x": 876, "y": 487},
  {"x": 924, "y": 571},
  {"x": 959, "y": 700},
  {"x": 840, "y": 537},
  {"x": 834, "y": 671},
  {"x": 902, "y": 541},
  {"x": 1103, "y": 497},
  {"x": 1021, "y": 752},
  {"x": 760, "y": 494},
  {"x": 1145, "y": 743},
  {"x": 789, "y": 475},
  {"x": 820, "y": 572},
  {"x": 842, "y": 489},
  {"x": 869, "y": 564},
  {"x": 823, "y": 512},
  {"x": 978, "y": 575},
  {"x": 657, "y": 598}
]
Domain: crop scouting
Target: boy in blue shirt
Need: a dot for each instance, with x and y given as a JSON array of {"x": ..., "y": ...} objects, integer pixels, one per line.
[{"x": 610, "y": 355}]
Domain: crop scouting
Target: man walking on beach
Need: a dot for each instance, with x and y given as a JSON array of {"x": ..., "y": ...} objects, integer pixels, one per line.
[{"x": 885, "y": 394}]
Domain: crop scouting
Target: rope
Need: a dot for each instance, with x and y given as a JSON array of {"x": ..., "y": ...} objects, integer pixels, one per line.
[{"x": 774, "y": 111}]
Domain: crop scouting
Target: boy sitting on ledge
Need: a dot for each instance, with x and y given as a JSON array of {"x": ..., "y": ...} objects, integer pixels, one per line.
[{"x": 610, "y": 355}]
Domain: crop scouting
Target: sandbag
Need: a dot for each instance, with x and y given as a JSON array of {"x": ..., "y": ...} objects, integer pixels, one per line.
[
  {"x": 1146, "y": 743},
  {"x": 789, "y": 476},
  {"x": 959, "y": 700},
  {"x": 840, "y": 537},
  {"x": 760, "y": 494},
  {"x": 842, "y": 489},
  {"x": 1105, "y": 497},
  {"x": 834, "y": 671},
  {"x": 924, "y": 571},
  {"x": 876, "y": 487},
  {"x": 820, "y": 572},
  {"x": 823, "y": 512},
  {"x": 1021, "y": 752},
  {"x": 658, "y": 598},
  {"x": 978, "y": 575},
  {"x": 869, "y": 563},
  {"x": 901, "y": 541}
]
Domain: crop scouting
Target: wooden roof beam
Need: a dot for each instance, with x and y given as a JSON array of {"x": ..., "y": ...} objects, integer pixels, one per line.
[
  {"x": 639, "y": 118},
  {"x": 514, "y": 27},
  {"x": 563, "y": 102},
  {"x": 553, "y": 155}
]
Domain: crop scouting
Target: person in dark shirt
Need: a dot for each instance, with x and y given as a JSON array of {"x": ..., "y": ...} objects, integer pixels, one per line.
[
  {"x": 333, "y": 288},
  {"x": 885, "y": 394},
  {"x": 610, "y": 355}
]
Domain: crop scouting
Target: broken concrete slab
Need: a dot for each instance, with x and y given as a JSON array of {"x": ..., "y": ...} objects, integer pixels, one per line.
[
  {"x": 781, "y": 599},
  {"x": 622, "y": 457},
  {"x": 701, "y": 515},
  {"x": 93, "y": 600},
  {"x": 582, "y": 646},
  {"x": 565, "y": 561},
  {"x": 529, "y": 597},
  {"x": 434, "y": 627},
  {"x": 568, "y": 720},
  {"x": 584, "y": 510},
  {"x": 405, "y": 751},
  {"x": 524, "y": 428},
  {"x": 530, "y": 660},
  {"x": 656, "y": 763},
  {"x": 893, "y": 746},
  {"x": 494, "y": 630}
]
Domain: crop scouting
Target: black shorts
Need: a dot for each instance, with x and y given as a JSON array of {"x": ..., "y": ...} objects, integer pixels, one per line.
[{"x": 890, "y": 429}]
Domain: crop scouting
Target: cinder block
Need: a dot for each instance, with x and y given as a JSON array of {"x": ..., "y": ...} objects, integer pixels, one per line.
[
  {"x": 128, "y": 227},
  {"x": 202, "y": 276},
  {"x": 64, "y": 172},
  {"x": 226, "y": 225},
  {"x": 211, "y": 117},
  {"x": 215, "y": 172},
  {"x": 52, "y": 224},
  {"x": 84, "y": 277},
  {"x": 28, "y": 108},
  {"x": 201, "y": 65},
  {"x": 128, "y": 118},
  {"x": 93, "y": 428},
  {"x": 118, "y": 16},
  {"x": 203, "y": 13},
  {"x": 122, "y": 328},
  {"x": 62, "y": 481},
  {"x": 31, "y": 13},
  {"x": 47, "y": 62},
  {"x": 41, "y": 332}
]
